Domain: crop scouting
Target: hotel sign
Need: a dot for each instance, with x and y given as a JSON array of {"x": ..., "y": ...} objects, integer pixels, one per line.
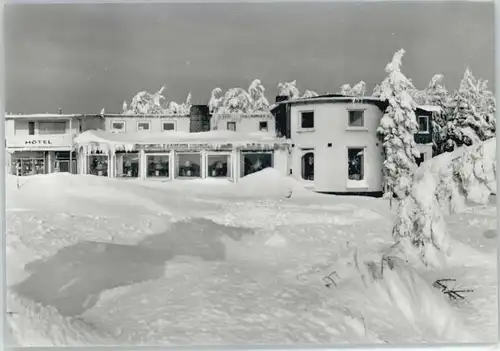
[{"x": 40, "y": 141}]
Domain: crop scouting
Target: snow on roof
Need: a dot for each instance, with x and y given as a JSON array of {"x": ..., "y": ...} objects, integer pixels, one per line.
[
  {"x": 45, "y": 116},
  {"x": 127, "y": 115},
  {"x": 217, "y": 137},
  {"x": 328, "y": 97},
  {"x": 430, "y": 108}
]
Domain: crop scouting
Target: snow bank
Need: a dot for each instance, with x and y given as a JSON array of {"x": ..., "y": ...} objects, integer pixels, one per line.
[
  {"x": 62, "y": 192},
  {"x": 34, "y": 325},
  {"x": 444, "y": 182},
  {"x": 396, "y": 294},
  {"x": 271, "y": 182}
]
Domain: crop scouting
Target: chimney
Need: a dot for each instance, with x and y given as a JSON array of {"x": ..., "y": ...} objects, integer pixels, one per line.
[
  {"x": 199, "y": 119},
  {"x": 60, "y": 111},
  {"x": 280, "y": 98}
]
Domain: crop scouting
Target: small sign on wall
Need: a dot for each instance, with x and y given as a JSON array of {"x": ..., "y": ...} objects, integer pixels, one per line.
[{"x": 38, "y": 142}]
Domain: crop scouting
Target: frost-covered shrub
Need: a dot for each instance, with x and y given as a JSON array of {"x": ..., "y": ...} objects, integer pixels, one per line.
[{"x": 357, "y": 90}]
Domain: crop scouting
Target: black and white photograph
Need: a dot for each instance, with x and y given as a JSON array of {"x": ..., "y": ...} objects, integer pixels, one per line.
[{"x": 242, "y": 174}]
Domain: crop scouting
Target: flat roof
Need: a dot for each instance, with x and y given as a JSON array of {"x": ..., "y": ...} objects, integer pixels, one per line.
[
  {"x": 49, "y": 116},
  {"x": 342, "y": 98},
  {"x": 128, "y": 115}
]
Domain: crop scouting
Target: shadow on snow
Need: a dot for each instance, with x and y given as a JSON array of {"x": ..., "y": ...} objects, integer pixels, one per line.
[{"x": 72, "y": 279}]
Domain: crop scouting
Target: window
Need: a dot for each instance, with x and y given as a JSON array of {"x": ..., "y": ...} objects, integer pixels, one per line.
[
  {"x": 189, "y": 165},
  {"x": 158, "y": 166},
  {"x": 117, "y": 126},
  {"x": 52, "y": 127},
  {"x": 143, "y": 126},
  {"x": 252, "y": 162},
  {"x": 31, "y": 128},
  {"x": 28, "y": 166},
  {"x": 98, "y": 165},
  {"x": 166, "y": 126},
  {"x": 127, "y": 165},
  {"x": 308, "y": 165},
  {"x": 356, "y": 163},
  {"x": 263, "y": 126},
  {"x": 218, "y": 166},
  {"x": 307, "y": 120},
  {"x": 356, "y": 118},
  {"x": 423, "y": 124},
  {"x": 231, "y": 126},
  {"x": 420, "y": 159}
]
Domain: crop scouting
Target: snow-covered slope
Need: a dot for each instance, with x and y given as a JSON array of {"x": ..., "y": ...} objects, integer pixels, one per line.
[{"x": 98, "y": 261}]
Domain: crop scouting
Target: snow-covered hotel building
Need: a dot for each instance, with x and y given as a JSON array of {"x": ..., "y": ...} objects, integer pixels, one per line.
[
  {"x": 328, "y": 143},
  {"x": 44, "y": 143}
]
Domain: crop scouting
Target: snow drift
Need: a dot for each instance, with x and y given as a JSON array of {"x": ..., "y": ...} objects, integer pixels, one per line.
[
  {"x": 35, "y": 325},
  {"x": 271, "y": 182}
]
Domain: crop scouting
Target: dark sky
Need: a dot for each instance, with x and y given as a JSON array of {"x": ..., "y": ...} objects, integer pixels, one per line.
[{"x": 85, "y": 57}]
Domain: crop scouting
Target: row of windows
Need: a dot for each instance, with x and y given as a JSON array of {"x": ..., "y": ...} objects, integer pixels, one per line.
[
  {"x": 263, "y": 126},
  {"x": 120, "y": 126},
  {"x": 355, "y": 161},
  {"x": 187, "y": 165},
  {"x": 44, "y": 128},
  {"x": 357, "y": 120},
  {"x": 355, "y": 164}
]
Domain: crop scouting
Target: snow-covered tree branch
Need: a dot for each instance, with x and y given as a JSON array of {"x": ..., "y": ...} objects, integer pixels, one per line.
[{"x": 442, "y": 185}]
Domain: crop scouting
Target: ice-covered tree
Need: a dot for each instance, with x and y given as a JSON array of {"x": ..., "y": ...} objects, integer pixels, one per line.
[
  {"x": 443, "y": 185},
  {"x": 259, "y": 101},
  {"x": 145, "y": 103},
  {"x": 472, "y": 114},
  {"x": 357, "y": 90},
  {"x": 215, "y": 101},
  {"x": 289, "y": 89},
  {"x": 238, "y": 100},
  {"x": 397, "y": 129}
]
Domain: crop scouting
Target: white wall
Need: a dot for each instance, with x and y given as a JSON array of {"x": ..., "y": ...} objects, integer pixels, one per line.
[
  {"x": 181, "y": 123},
  {"x": 331, "y": 126},
  {"x": 281, "y": 161}
]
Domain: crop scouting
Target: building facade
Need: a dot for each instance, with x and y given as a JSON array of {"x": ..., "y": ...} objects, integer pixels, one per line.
[
  {"x": 43, "y": 143},
  {"x": 329, "y": 143},
  {"x": 334, "y": 143}
]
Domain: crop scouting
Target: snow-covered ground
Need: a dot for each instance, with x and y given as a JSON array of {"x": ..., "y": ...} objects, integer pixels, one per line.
[{"x": 97, "y": 261}]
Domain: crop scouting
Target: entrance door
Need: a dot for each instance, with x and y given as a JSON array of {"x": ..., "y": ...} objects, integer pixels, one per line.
[{"x": 61, "y": 164}]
